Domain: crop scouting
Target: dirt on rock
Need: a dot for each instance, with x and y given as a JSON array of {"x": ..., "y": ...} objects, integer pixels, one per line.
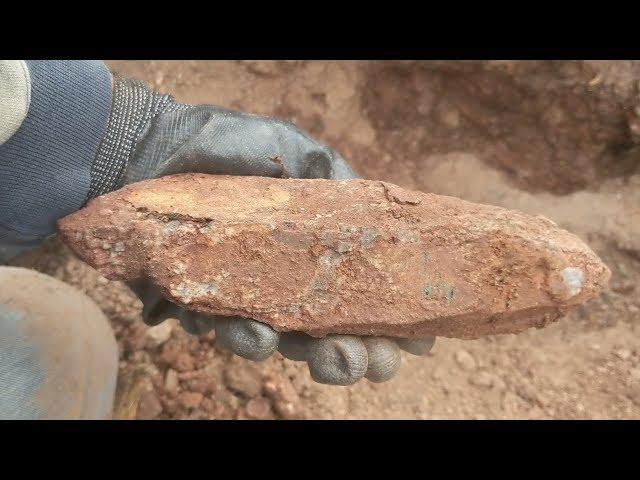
[
  {"x": 554, "y": 138},
  {"x": 382, "y": 261}
]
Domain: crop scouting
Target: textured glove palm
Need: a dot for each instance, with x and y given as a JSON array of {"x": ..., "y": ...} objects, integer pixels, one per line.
[{"x": 149, "y": 135}]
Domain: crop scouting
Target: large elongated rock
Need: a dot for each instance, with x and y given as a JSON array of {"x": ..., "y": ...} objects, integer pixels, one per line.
[{"x": 321, "y": 256}]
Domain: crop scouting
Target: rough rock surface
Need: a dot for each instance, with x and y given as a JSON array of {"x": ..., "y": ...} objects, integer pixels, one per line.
[{"x": 353, "y": 257}]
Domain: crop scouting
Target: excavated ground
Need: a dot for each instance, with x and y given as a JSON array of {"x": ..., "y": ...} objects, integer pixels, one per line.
[{"x": 552, "y": 138}]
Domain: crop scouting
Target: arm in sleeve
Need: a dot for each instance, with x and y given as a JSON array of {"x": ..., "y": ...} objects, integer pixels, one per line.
[
  {"x": 15, "y": 95},
  {"x": 51, "y": 125}
]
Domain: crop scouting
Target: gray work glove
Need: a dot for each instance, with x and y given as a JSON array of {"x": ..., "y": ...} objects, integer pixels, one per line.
[{"x": 149, "y": 135}]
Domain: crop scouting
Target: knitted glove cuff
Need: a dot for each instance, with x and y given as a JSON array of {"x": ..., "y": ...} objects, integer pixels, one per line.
[{"x": 134, "y": 106}]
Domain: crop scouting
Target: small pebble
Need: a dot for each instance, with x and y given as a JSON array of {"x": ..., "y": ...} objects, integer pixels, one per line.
[
  {"x": 159, "y": 334},
  {"x": 171, "y": 382},
  {"x": 190, "y": 399},
  {"x": 149, "y": 406},
  {"x": 623, "y": 354},
  {"x": 482, "y": 379},
  {"x": 184, "y": 362},
  {"x": 244, "y": 379},
  {"x": 465, "y": 360},
  {"x": 258, "y": 408}
]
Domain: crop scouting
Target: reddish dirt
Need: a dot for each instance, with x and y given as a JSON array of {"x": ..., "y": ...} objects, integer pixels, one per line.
[{"x": 551, "y": 138}]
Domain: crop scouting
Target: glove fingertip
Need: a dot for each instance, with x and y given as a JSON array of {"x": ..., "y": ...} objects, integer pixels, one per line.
[{"x": 416, "y": 346}]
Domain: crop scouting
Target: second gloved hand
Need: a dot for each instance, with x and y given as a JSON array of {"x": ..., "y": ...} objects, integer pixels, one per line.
[
  {"x": 334, "y": 359},
  {"x": 150, "y": 135}
]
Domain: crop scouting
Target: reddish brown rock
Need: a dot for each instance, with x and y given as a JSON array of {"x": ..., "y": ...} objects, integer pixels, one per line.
[
  {"x": 259, "y": 408},
  {"x": 284, "y": 396},
  {"x": 190, "y": 399},
  {"x": 149, "y": 407},
  {"x": 352, "y": 257}
]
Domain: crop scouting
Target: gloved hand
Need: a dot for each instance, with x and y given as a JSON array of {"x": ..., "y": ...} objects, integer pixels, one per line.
[{"x": 149, "y": 135}]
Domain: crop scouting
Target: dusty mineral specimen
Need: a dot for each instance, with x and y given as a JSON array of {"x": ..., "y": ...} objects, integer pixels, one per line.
[{"x": 324, "y": 256}]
